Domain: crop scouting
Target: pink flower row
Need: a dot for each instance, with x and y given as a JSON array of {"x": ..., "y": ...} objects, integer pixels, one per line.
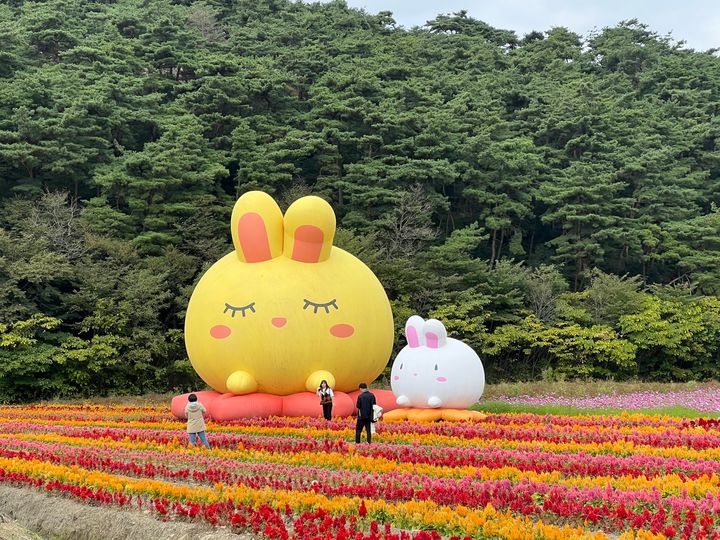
[
  {"x": 611, "y": 507},
  {"x": 662, "y": 438}
]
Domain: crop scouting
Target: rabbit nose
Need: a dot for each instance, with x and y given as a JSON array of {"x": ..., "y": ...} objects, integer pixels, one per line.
[
  {"x": 415, "y": 374},
  {"x": 279, "y": 322}
]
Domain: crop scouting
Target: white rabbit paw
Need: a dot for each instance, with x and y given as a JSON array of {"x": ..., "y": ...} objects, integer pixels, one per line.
[
  {"x": 403, "y": 401},
  {"x": 434, "y": 401}
]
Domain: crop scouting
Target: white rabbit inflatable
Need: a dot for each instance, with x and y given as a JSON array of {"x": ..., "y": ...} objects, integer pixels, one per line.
[{"x": 434, "y": 370}]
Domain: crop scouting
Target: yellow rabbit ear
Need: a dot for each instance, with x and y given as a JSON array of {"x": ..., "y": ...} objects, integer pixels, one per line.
[
  {"x": 309, "y": 230},
  {"x": 257, "y": 227}
]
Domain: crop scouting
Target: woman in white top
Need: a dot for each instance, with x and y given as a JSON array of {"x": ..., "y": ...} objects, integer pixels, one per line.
[{"x": 326, "y": 399}]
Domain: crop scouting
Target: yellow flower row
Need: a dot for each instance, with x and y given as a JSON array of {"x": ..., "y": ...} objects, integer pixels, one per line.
[
  {"x": 35, "y": 417},
  {"x": 621, "y": 448},
  {"x": 412, "y": 514},
  {"x": 669, "y": 484},
  {"x": 642, "y": 423},
  {"x": 56, "y": 409}
]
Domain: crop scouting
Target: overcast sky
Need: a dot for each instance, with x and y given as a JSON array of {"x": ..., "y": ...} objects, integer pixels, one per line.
[{"x": 695, "y": 21}]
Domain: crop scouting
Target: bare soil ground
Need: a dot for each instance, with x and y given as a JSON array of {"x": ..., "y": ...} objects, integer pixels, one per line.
[
  {"x": 11, "y": 530},
  {"x": 26, "y": 514}
]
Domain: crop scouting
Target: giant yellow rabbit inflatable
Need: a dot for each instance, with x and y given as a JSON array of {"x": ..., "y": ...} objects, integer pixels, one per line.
[{"x": 286, "y": 309}]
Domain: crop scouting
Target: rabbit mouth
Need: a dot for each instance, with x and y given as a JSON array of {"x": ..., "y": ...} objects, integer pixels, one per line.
[{"x": 279, "y": 322}]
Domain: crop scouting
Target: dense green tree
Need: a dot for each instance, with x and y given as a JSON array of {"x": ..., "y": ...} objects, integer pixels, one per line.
[
  {"x": 552, "y": 198},
  {"x": 676, "y": 340},
  {"x": 542, "y": 287},
  {"x": 585, "y": 201},
  {"x": 609, "y": 297}
]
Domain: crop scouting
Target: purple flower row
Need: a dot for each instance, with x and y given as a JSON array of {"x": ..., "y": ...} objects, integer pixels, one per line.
[{"x": 703, "y": 400}]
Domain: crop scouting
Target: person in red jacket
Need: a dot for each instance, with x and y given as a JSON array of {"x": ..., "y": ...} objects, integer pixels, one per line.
[{"x": 364, "y": 404}]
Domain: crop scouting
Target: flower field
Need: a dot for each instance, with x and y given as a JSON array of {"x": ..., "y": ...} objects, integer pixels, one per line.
[
  {"x": 513, "y": 476},
  {"x": 706, "y": 400}
]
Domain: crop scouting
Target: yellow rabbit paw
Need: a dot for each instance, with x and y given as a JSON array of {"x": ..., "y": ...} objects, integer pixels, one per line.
[
  {"x": 241, "y": 382},
  {"x": 313, "y": 381}
]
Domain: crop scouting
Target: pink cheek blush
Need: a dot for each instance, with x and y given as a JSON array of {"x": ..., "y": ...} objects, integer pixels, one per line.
[
  {"x": 220, "y": 331},
  {"x": 396, "y": 377},
  {"x": 441, "y": 379},
  {"x": 342, "y": 330}
]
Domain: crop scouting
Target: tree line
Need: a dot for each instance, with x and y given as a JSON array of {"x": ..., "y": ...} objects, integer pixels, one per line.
[{"x": 551, "y": 197}]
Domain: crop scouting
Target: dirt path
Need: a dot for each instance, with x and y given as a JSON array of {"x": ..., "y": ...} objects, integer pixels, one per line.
[
  {"x": 26, "y": 510},
  {"x": 11, "y": 530}
]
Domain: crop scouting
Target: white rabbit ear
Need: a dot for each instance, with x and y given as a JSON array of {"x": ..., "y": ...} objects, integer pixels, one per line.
[
  {"x": 413, "y": 331},
  {"x": 434, "y": 333}
]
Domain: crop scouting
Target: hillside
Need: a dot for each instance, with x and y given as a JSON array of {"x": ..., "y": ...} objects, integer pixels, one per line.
[{"x": 551, "y": 197}]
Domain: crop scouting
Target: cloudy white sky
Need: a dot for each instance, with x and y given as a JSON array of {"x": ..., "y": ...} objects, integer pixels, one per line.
[{"x": 695, "y": 21}]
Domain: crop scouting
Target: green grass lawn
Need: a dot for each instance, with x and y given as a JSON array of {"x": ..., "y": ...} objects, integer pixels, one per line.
[{"x": 502, "y": 407}]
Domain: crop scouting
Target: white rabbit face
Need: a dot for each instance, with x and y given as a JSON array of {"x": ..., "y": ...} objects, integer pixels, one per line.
[{"x": 434, "y": 370}]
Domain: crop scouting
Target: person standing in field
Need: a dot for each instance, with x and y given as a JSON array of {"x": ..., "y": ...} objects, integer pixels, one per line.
[
  {"x": 364, "y": 404},
  {"x": 195, "y": 421},
  {"x": 326, "y": 399}
]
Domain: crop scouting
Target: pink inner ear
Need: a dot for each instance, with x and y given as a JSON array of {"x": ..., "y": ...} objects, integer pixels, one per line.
[
  {"x": 412, "y": 337},
  {"x": 308, "y": 244},
  {"x": 253, "y": 238},
  {"x": 431, "y": 340}
]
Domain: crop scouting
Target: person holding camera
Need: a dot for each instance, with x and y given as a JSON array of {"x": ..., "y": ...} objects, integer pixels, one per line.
[{"x": 366, "y": 414}]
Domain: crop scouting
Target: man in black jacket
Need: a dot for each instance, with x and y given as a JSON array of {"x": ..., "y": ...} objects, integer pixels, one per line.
[{"x": 365, "y": 402}]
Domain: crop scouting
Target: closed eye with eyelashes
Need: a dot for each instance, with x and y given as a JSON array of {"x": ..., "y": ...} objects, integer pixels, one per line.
[
  {"x": 315, "y": 305},
  {"x": 243, "y": 309}
]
